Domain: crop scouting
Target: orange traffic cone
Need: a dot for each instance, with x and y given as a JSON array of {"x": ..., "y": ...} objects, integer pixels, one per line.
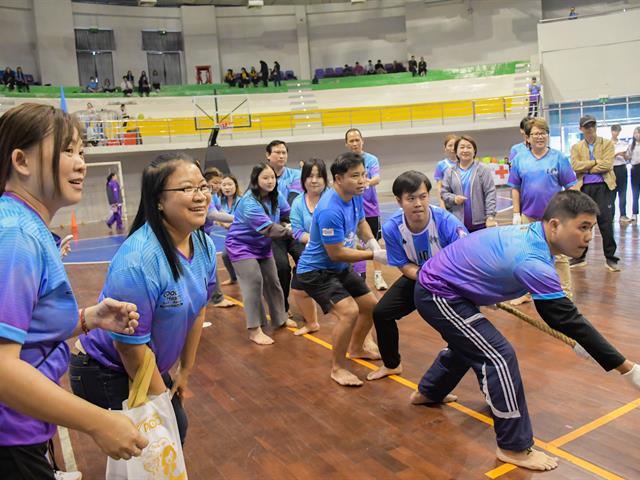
[{"x": 74, "y": 226}]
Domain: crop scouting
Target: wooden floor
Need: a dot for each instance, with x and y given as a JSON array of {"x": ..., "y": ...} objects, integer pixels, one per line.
[{"x": 274, "y": 413}]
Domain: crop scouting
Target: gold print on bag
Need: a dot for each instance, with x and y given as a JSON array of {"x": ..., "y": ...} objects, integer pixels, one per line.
[
  {"x": 160, "y": 460},
  {"x": 150, "y": 423}
]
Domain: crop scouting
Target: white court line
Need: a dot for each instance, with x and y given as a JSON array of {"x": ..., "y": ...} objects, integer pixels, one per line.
[{"x": 67, "y": 450}]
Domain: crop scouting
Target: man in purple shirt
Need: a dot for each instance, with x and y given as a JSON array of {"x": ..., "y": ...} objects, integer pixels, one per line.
[
  {"x": 496, "y": 265},
  {"x": 354, "y": 142}
]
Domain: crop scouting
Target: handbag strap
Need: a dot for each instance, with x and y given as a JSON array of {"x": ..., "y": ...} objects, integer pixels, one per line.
[{"x": 139, "y": 388}]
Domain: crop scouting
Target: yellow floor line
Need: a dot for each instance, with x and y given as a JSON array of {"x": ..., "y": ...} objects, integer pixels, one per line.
[
  {"x": 598, "y": 422},
  {"x": 502, "y": 469}
]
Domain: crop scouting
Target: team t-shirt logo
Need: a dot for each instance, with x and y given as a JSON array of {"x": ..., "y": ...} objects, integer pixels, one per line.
[
  {"x": 327, "y": 232},
  {"x": 170, "y": 299},
  {"x": 553, "y": 171}
]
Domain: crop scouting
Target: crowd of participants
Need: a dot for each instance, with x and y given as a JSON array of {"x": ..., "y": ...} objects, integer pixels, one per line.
[{"x": 326, "y": 220}]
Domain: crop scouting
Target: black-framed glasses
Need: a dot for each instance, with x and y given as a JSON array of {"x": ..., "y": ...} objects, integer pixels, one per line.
[{"x": 203, "y": 189}]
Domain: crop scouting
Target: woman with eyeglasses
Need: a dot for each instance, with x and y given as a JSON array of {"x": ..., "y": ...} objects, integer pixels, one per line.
[
  {"x": 261, "y": 215},
  {"x": 166, "y": 266},
  {"x": 536, "y": 175}
]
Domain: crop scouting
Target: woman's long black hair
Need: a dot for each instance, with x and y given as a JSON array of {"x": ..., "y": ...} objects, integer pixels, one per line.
[
  {"x": 154, "y": 179},
  {"x": 255, "y": 188}
]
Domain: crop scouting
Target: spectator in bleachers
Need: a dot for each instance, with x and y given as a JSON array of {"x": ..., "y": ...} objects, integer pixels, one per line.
[
  {"x": 129, "y": 76},
  {"x": 276, "y": 66},
  {"x": 398, "y": 67},
  {"x": 264, "y": 73},
  {"x": 380, "y": 67},
  {"x": 230, "y": 78},
  {"x": 253, "y": 76},
  {"x": 143, "y": 84},
  {"x": 348, "y": 71},
  {"x": 9, "y": 78},
  {"x": 92, "y": 86},
  {"x": 155, "y": 80},
  {"x": 126, "y": 86},
  {"x": 413, "y": 66},
  {"x": 21, "y": 80},
  {"x": 276, "y": 76},
  {"x": 244, "y": 78},
  {"x": 370, "y": 68},
  {"x": 107, "y": 87},
  {"x": 572, "y": 13},
  {"x": 358, "y": 69},
  {"x": 422, "y": 67}
]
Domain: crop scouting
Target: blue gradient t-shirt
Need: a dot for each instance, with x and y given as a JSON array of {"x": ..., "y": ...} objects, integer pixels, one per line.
[
  {"x": 370, "y": 195},
  {"x": 250, "y": 217},
  {"x": 516, "y": 150},
  {"x": 301, "y": 216},
  {"x": 539, "y": 179},
  {"x": 494, "y": 265},
  {"x": 404, "y": 246},
  {"x": 39, "y": 311},
  {"x": 334, "y": 221},
  {"x": 140, "y": 273},
  {"x": 441, "y": 167},
  {"x": 289, "y": 182}
]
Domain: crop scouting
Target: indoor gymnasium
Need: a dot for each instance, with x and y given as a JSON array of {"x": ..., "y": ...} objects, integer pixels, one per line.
[{"x": 306, "y": 239}]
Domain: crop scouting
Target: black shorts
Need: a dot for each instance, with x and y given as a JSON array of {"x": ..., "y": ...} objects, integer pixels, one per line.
[
  {"x": 374, "y": 224},
  {"x": 327, "y": 287},
  {"x": 25, "y": 462}
]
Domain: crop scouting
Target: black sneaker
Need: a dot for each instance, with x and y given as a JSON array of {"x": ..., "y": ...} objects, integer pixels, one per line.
[
  {"x": 612, "y": 265},
  {"x": 577, "y": 262}
]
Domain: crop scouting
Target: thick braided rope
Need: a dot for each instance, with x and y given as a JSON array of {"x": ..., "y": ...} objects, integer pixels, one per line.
[{"x": 538, "y": 324}]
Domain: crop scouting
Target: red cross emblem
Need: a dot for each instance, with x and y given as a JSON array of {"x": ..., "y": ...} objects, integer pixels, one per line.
[{"x": 502, "y": 172}]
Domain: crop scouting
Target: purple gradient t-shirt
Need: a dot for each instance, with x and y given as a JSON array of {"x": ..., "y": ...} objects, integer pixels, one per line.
[
  {"x": 494, "y": 265},
  {"x": 140, "y": 273},
  {"x": 244, "y": 240},
  {"x": 590, "y": 178},
  {"x": 370, "y": 195},
  {"x": 539, "y": 179},
  {"x": 441, "y": 167},
  {"x": 39, "y": 311}
]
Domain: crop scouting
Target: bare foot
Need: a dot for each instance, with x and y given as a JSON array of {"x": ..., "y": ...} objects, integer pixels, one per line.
[
  {"x": 314, "y": 327},
  {"x": 365, "y": 355},
  {"x": 224, "y": 304},
  {"x": 418, "y": 398},
  {"x": 384, "y": 372},
  {"x": 345, "y": 378},
  {"x": 228, "y": 282},
  {"x": 291, "y": 323},
  {"x": 530, "y": 458},
  {"x": 258, "y": 336},
  {"x": 371, "y": 346}
]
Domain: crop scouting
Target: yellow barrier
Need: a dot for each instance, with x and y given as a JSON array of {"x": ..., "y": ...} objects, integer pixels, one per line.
[{"x": 335, "y": 117}]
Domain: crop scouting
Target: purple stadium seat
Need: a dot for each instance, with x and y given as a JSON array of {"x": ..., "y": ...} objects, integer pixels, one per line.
[
  {"x": 388, "y": 67},
  {"x": 339, "y": 71},
  {"x": 328, "y": 72},
  {"x": 319, "y": 73}
]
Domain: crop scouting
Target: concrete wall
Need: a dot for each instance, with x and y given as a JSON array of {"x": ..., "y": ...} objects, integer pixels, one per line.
[
  {"x": 17, "y": 36},
  {"x": 302, "y": 38},
  {"x": 590, "y": 57},
  {"x": 475, "y": 32},
  {"x": 560, "y": 8}
]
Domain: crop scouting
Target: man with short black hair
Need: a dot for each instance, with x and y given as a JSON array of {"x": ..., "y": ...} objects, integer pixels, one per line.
[
  {"x": 324, "y": 270},
  {"x": 412, "y": 235},
  {"x": 621, "y": 172},
  {"x": 496, "y": 265},
  {"x": 288, "y": 184},
  {"x": 592, "y": 160}
]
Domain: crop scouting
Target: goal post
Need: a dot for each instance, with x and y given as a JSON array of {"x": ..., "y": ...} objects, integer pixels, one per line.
[{"x": 94, "y": 206}]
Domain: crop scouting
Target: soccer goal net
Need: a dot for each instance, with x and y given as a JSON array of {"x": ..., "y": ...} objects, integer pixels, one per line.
[{"x": 94, "y": 206}]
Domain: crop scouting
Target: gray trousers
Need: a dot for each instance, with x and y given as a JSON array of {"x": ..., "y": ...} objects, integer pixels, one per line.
[
  {"x": 217, "y": 295},
  {"x": 257, "y": 279}
]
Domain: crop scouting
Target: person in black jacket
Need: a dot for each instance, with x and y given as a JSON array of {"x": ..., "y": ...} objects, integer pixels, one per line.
[{"x": 264, "y": 73}]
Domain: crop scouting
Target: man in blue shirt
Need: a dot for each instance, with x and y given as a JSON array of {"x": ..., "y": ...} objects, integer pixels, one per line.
[
  {"x": 324, "y": 270},
  {"x": 522, "y": 146},
  {"x": 496, "y": 265},
  {"x": 288, "y": 184},
  {"x": 412, "y": 235}
]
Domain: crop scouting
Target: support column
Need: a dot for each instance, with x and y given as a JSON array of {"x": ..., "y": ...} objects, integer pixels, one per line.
[
  {"x": 199, "y": 32},
  {"x": 302, "y": 28}
]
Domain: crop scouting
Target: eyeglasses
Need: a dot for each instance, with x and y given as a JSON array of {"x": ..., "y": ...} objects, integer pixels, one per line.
[
  {"x": 203, "y": 189},
  {"x": 539, "y": 134}
]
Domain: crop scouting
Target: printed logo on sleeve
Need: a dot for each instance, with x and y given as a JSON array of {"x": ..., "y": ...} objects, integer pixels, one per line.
[
  {"x": 170, "y": 298},
  {"x": 327, "y": 232}
]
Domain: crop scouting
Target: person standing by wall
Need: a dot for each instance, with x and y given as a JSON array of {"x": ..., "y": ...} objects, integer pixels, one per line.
[
  {"x": 620, "y": 169},
  {"x": 592, "y": 160},
  {"x": 633, "y": 156}
]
